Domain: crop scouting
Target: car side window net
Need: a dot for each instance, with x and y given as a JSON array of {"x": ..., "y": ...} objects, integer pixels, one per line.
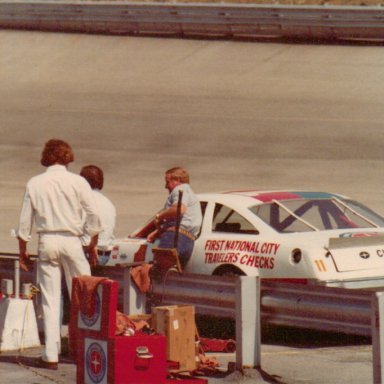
[
  {"x": 227, "y": 220},
  {"x": 304, "y": 215}
]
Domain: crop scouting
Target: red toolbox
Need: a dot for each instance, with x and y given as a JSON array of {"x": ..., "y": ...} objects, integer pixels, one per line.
[
  {"x": 103, "y": 357},
  {"x": 123, "y": 360}
]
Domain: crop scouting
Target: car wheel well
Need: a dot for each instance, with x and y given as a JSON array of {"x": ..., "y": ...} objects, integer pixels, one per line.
[{"x": 228, "y": 270}]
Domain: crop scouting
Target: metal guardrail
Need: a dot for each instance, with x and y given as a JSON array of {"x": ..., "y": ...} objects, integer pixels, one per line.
[
  {"x": 285, "y": 304},
  {"x": 211, "y": 295},
  {"x": 196, "y": 19},
  {"x": 316, "y": 307}
]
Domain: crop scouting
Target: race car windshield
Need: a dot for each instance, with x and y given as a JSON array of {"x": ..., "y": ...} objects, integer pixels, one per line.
[{"x": 304, "y": 215}]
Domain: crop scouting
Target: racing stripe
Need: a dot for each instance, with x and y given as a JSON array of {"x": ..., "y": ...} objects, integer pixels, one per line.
[
  {"x": 316, "y": 195},
  {"x": 269, "y": 196}
]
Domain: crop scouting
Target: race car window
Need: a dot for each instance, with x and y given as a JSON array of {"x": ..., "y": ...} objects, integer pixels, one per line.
[
  {"x": 228, "y": 220},
  {"x": 305, "y": 215},
  {"x": 366, "y": 212}
]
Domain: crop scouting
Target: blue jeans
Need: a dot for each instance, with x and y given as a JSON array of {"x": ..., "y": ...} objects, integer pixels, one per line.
[{"x": 184, "y": 245}]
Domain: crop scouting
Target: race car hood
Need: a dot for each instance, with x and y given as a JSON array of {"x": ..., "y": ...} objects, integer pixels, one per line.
[{"x": 129, "y": 251}]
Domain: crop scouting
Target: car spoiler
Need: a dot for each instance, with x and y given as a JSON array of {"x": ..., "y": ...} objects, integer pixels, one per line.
[{"x": 363, "y": 240}]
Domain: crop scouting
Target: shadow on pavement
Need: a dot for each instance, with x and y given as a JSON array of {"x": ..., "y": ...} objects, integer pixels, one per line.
[{"x": 305, "y": 338}]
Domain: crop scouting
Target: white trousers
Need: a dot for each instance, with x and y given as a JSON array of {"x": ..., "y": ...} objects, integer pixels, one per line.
[{"x": 57, "y": 252}]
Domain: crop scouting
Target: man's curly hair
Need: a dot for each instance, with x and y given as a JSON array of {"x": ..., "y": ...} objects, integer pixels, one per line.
[
  {"x": 94, "y": 175},
  {"x": 56, "y": 152}
]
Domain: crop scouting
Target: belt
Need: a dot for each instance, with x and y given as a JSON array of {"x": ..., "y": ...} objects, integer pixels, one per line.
[
  {"x": 100, "y": 252},
  {"x": 183, "y": 232},
  {"x": 58, "y": 233}
]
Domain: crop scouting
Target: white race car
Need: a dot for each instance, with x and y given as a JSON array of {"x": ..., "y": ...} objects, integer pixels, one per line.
[{"x": 305, "y": 237}]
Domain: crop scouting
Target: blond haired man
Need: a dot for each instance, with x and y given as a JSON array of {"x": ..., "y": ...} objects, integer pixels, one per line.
[{"x": 176, "y": 180}]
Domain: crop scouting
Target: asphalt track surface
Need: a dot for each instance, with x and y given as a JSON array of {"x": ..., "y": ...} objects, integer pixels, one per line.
[
  {"x": 294, "y": 358},
  {"x": 238, "y": 115}
]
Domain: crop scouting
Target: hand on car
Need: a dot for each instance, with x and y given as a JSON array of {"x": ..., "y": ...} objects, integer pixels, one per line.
[{"x": 152, "y": 236}]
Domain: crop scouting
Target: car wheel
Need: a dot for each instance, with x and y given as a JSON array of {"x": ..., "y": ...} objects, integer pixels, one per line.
[{"x": 228, "y": 270}]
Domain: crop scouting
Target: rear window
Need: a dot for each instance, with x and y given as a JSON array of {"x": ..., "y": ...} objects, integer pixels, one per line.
[{"x": 305, "y": 215}]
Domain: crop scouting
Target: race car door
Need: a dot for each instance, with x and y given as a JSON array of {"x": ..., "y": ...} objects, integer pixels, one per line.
[{"x": 222, "y": 225}]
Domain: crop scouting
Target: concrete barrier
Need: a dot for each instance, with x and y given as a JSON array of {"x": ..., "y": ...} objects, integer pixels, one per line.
[{"x": 252, "y": 21}]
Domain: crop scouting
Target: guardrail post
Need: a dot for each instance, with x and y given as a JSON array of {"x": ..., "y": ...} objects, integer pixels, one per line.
[
  {"x": 133, "y": 299},
  {"x": 248, "y": 334},
  {"x": 17, "y": 278},
  {"x": 378, "y": 336}
]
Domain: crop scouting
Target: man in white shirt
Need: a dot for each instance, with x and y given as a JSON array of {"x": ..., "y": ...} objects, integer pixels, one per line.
[
  {"x": 55, "y": 201},
  {"x": 106, "y": 210}
]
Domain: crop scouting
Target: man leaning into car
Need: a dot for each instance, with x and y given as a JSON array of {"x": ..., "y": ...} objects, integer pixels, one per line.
[{"x": 177, "y": 179}]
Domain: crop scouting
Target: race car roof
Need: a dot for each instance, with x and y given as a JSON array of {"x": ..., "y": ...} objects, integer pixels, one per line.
[{"x": 267, "y": 196}]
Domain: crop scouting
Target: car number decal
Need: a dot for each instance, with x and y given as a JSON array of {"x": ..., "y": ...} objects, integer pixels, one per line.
[{"x": 320, "y": 265}]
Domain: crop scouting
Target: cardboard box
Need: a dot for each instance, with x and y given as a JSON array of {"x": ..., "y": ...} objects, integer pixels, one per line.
[{"x": 177, "y": 323}]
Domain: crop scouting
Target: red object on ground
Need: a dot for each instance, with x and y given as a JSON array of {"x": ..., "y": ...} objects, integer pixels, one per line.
[
  {"x": 217, "y": 345},
  {"x": 191, "y": 380},
  {"x": 186, "y": 379}
]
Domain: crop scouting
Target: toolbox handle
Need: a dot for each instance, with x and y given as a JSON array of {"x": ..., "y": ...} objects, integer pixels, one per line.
[{"x": 143, "y": 353}]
